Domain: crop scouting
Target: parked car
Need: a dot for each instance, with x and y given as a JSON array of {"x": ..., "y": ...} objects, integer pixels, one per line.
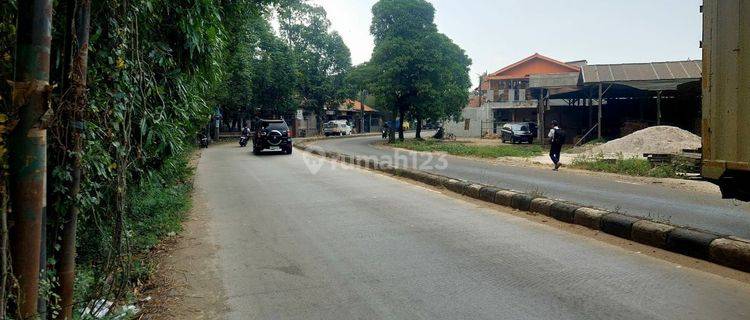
[
  {"x": 517, "y": 132},
  {"x": 273, "y": 135},
  {"x": 337, "y": 128}
]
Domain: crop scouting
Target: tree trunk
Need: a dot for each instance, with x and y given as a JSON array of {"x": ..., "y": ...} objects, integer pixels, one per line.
[
  {"x": 28, "y": 148},
  {"x": 79, "y": 70},
  {"x": 3, "y": 248},
  {"x": 419, "y": 128},
  {"x": 401, "y": 112},
  {"x": 391, "y": 129}
]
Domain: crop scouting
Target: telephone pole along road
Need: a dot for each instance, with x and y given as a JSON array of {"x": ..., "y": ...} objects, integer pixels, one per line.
[
  {"x": 695, "y": 209},
  {"x": 353, "y": 244}
]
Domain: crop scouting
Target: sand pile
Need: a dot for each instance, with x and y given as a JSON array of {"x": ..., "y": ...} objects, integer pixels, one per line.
[{"x": 659, "y": 139}]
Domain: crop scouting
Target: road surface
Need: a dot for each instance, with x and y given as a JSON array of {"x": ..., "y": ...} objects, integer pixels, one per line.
[
  {"x": 353, "y": 244},
  {"x": 694, "y": 209}
]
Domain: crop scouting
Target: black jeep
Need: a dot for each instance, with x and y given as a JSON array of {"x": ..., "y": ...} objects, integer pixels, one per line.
[{"x": 273, "y": 135}]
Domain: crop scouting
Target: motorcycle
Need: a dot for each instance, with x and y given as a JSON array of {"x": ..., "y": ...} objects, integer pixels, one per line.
[
  {"x": 440, "y": 134},
  {"x": 243, "y": 141},
  {"x": 384, "y": 133},
  {"x": 203, "y": 140}
]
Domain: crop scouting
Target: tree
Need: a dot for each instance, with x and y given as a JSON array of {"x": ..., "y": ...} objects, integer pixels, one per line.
[
  {"x": 417, "y": 71},
  {"x": 443, "y": 89},
  {"x": 274, "y": 78},
  {"x": 322, "y": 57}
]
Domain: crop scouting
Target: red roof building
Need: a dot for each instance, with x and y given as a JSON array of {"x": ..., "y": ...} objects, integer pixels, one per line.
[{"x": 511, "y": 83}]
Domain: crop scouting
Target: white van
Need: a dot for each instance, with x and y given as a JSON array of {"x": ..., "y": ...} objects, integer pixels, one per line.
[{"x": 337, "y": 128}]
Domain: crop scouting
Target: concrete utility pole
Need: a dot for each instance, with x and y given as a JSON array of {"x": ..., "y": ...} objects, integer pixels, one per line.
[
  {"x": 28, "y": 148},
  {"x": 79, "y": 69},
  {"x": 599, "y": 129},
  {"x": 540, "y": 117},
  {"x": 363, "y": 95}
]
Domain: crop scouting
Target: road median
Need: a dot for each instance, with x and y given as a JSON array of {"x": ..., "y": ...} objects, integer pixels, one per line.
[{"x": 725, "y": 250}]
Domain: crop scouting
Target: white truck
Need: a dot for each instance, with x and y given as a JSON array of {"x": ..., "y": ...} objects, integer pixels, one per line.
[{"x": 337, "y": 128}]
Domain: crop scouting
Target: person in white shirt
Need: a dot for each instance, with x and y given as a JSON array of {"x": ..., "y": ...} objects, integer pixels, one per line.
[{"x": 556, "y": 138}]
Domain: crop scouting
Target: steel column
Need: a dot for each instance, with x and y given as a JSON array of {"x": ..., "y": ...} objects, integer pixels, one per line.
[{"x": 28, "y": 148}]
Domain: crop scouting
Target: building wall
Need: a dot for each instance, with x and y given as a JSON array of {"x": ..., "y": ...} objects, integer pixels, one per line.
[
  {"x": 309, "y": 124},
  {"x": 471, "y": 123}
]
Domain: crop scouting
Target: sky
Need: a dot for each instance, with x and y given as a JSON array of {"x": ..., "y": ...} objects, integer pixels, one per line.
[{"x": 496, "y": 33}]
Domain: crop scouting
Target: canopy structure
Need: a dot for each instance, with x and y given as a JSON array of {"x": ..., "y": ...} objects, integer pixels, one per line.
[{"x": 652, "y": 76}]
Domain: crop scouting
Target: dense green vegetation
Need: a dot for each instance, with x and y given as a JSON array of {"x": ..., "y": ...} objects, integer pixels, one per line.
[
  {"x": 157, "y": 72},
  {"x": 465, "y": 149}
]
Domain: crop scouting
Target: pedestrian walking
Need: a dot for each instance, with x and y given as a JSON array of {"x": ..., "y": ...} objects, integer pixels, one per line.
[{"x": 557, "y": 139}]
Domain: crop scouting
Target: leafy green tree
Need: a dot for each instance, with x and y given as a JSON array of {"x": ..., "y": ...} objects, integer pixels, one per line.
[
  {"x": 418, "y": 72},
  {"x": 322, "y": 57},
  {"x": 442, "y": 92},
  {"x": 274, "y": 78}
]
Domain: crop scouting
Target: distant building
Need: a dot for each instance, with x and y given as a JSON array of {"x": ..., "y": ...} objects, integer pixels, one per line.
[{"x": 504, "y": 96}]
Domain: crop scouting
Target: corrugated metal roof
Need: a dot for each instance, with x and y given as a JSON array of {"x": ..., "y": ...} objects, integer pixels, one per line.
[
  {"x": 556, "y": 80},
  {"x": 660, "y": 71}
]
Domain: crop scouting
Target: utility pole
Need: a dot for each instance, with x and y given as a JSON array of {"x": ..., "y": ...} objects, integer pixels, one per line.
[
  {"x": 540, "y": 117},
  {"x": 658, "y": 107},
  {"x": 28, "y": 148},
  {"x": 600, "y": 113},
  {"x": 79, "y": 70},
  {"x": 363, "y": 96}
]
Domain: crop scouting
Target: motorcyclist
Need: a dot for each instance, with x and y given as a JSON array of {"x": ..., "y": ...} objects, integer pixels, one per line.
[{"x": 245, "y": 136}]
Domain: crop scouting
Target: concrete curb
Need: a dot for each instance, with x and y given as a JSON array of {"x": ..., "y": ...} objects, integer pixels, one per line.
[
  {"x": 488, "y": 194},
  {"x": 618, "y": 225},
  {"x": 589, "y": 217},
  {"x": 504, "y": 197},
  {"x": 690, "y": 242},
  {"x": 473, "y": 190},
  {"x": 457, "y": 186},
  {"x": 521, "y": 201},
  {"x": 542, "y": 206},
  {"x": 731, "y": 252},
  {"x": 725, "y": 250},
  {"x": 564, "y": 211},
  {"x": 651, "y": 233}
]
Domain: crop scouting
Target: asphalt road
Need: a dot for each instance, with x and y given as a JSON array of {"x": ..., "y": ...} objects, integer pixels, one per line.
[
  {"x": 694, "y": 209},
  {"x": 352, "y": 244}
]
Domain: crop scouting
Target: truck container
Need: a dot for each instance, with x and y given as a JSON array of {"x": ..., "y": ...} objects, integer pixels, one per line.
[{"x": 726, "y": 96}]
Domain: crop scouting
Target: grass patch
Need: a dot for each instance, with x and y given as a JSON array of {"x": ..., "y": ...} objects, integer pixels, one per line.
[
  {"x": 464, "y": 149},
  {"x": 630, "y": 166}
]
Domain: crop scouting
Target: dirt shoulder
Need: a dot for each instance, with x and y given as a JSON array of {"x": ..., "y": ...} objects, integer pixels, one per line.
[{"x": 186, "y": 283}]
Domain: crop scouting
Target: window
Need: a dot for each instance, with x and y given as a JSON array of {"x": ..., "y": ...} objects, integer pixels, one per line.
[
  {"x": 466, "y": 124},
  {"x": 280, "y": 126}
]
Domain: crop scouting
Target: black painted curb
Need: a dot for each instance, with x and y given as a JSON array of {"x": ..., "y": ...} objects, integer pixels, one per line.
[
  {"x": 618, "y": 225},
  {"x": 488, "y": 194},
  {"x": 690, "y": 242},
  {"x": 521, "y": 201},
  {"x": 564, "y": 211},
  {"x": 725, "y": 250}
]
